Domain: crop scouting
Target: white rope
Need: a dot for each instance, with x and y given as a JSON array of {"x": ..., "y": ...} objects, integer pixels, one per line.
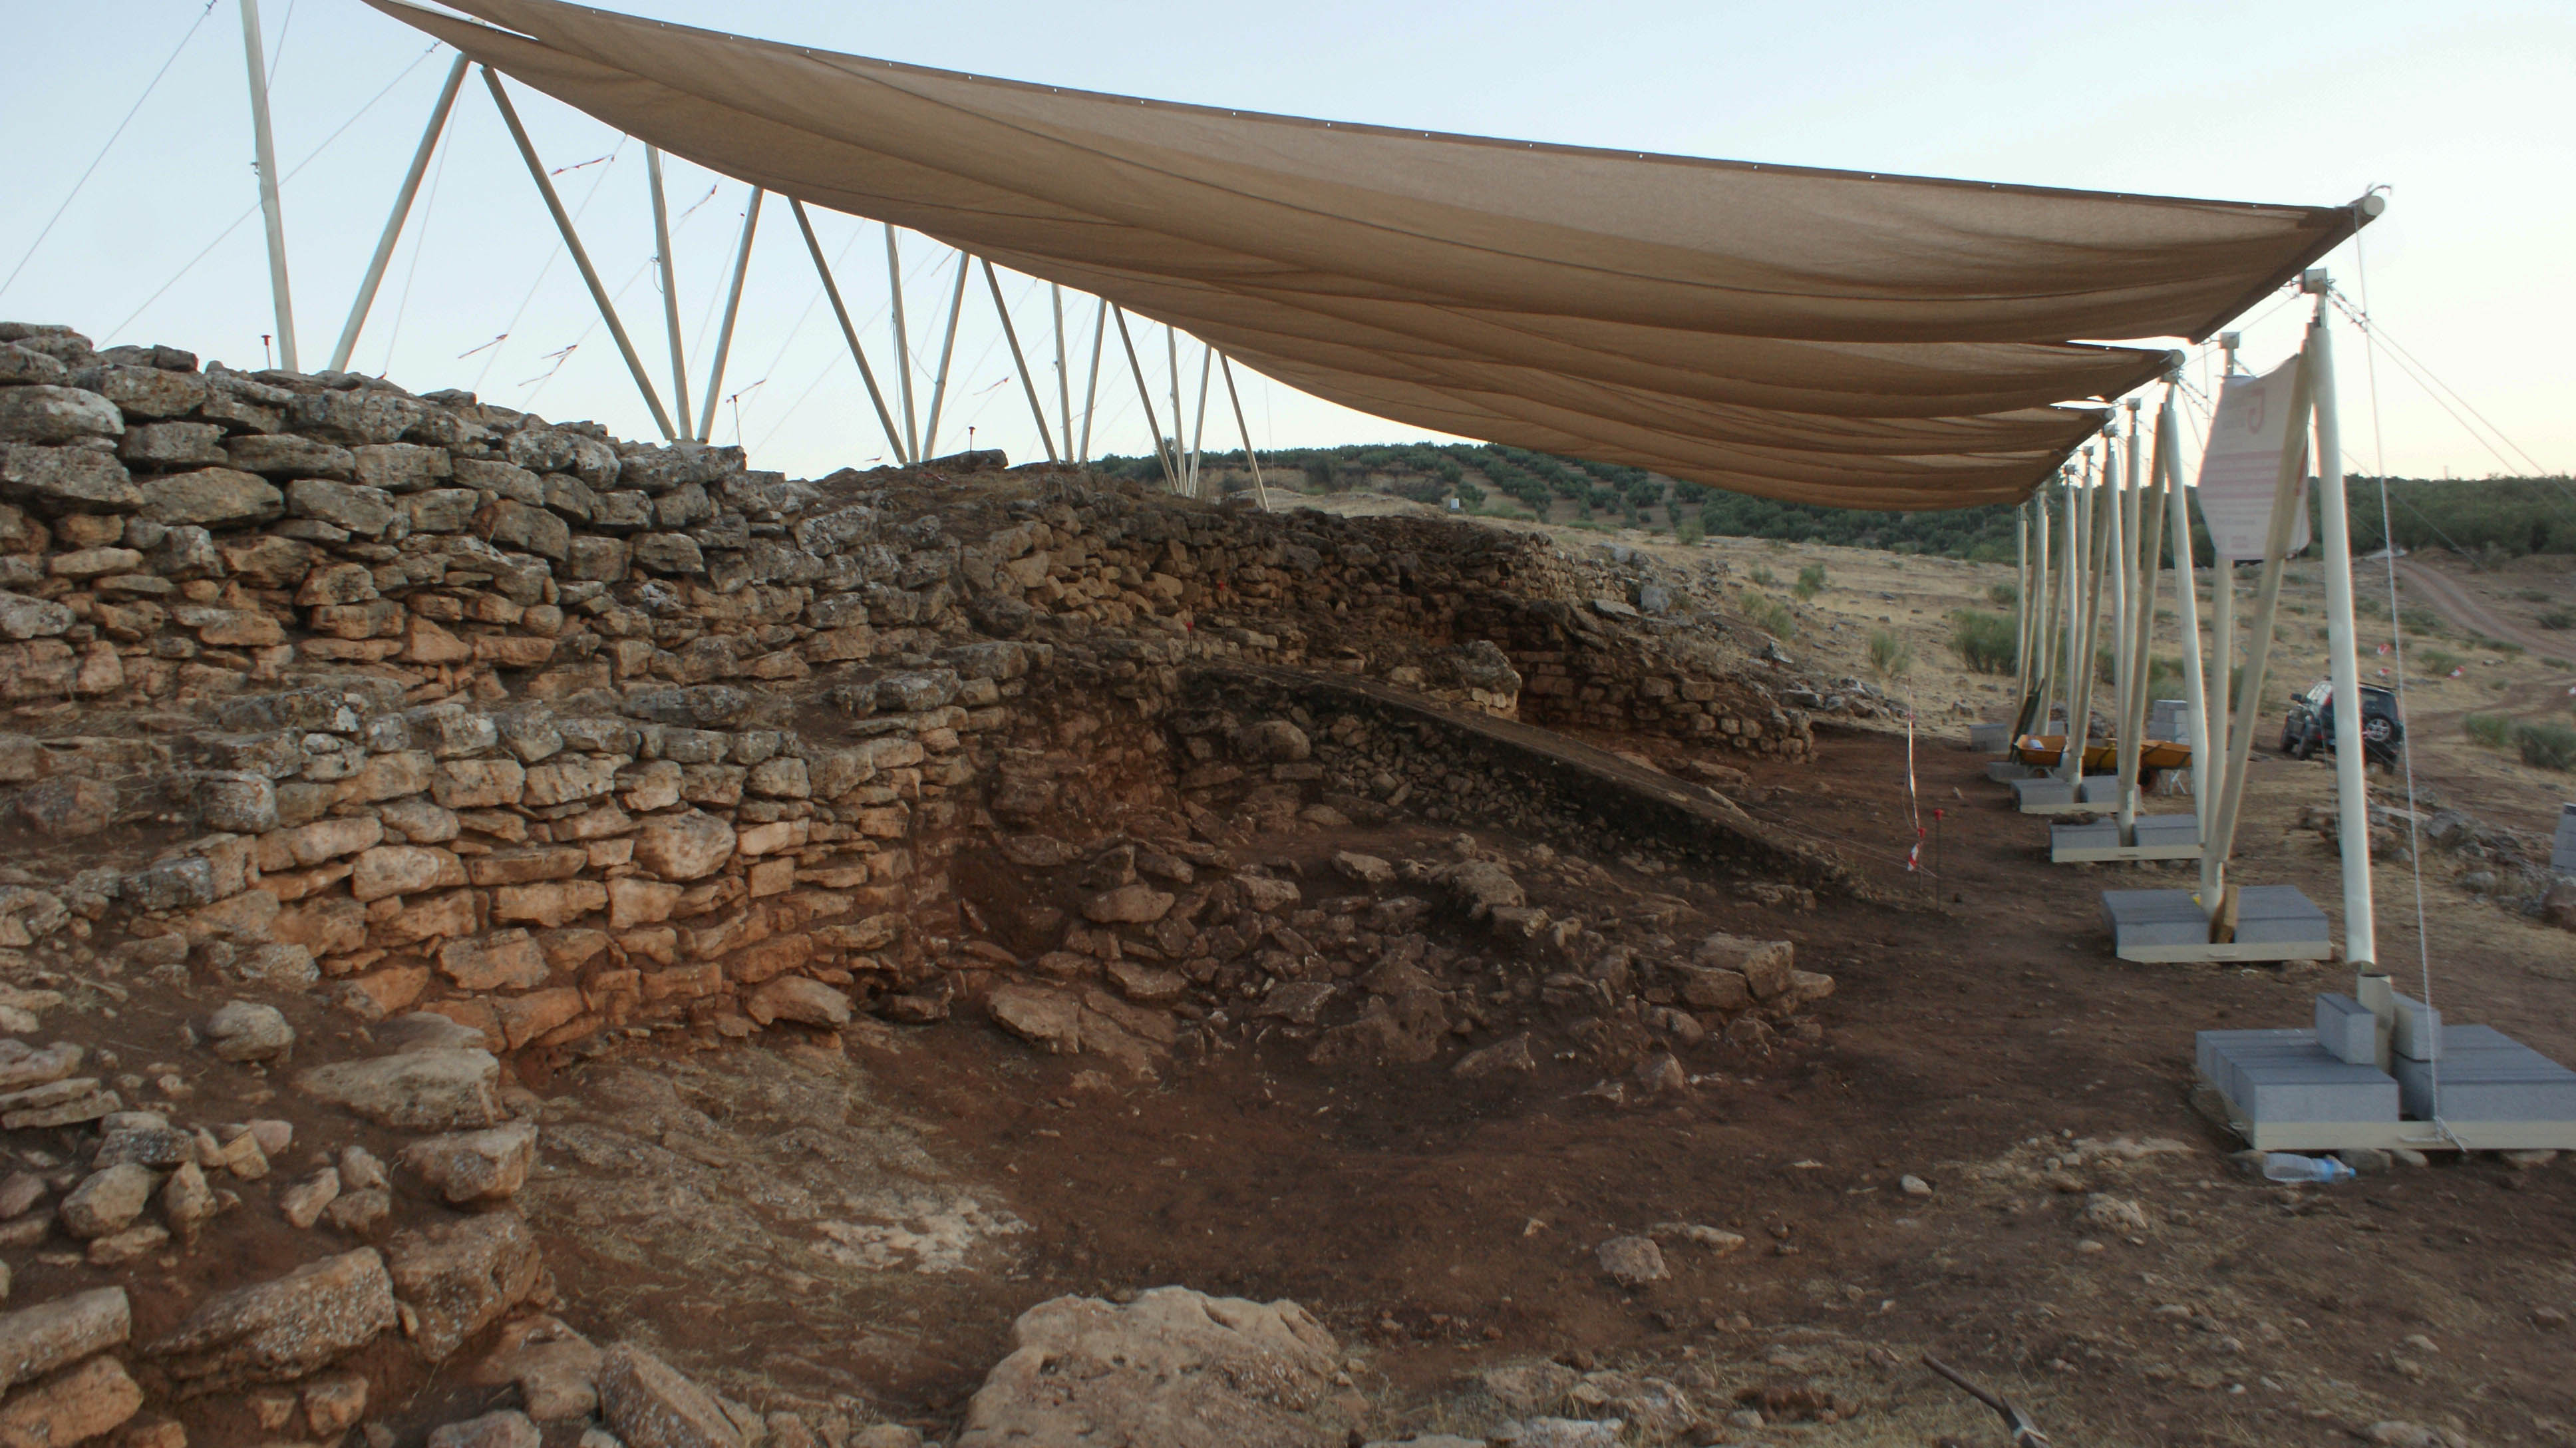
[
  {"x": 548, "y": 265},
  {"x": 253, "y": 209},
  {"x": 419, "y": 244},
  {"x": 92, "y": 169},
  {"x": 2432, "y": 389},
  {"x": 2397, "y": 655}
]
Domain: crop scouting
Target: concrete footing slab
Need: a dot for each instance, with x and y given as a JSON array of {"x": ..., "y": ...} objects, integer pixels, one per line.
[
  {"x": 2273, "y": 922},
  {"x": 2049, "y": 794},
  {"x": 2486, "y": 1075},
  {"x": 2004, "y": 771},
  {"x": 2159, "y": 837},
  {"x": 2289, "y": 1090}
]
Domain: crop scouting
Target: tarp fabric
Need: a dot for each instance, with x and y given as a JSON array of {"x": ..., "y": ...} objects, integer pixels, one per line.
[{"x": 1816, "y": 336}]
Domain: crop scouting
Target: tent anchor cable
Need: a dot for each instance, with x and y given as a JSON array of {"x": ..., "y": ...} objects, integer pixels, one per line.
[{"x": 2397, "y": 661}]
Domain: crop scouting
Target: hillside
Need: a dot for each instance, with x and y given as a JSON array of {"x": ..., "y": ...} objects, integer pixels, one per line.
[{"x": 2483, "y": 518}]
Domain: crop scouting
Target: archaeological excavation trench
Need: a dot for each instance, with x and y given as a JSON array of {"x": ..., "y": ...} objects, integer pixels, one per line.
[
  {"x": 476, "y": 868},
  {"x": 515, "y": 937}
]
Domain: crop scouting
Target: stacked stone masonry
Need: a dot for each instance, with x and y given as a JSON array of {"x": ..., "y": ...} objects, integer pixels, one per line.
[{"x": 429, "y": 703}]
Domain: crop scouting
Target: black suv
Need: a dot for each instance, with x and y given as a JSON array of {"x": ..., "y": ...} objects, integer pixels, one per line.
[{"x": 2307, "y": 730}]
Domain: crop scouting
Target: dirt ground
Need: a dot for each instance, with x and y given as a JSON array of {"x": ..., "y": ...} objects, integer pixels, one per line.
[
  {"x": 1988, "y": 1045},
  {"x": 1985, "y": 1041},
  {"x": 2084, "y": 1246}
]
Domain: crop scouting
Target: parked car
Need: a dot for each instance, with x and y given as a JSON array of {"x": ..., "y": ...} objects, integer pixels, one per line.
[{"x": 2307, "y": 730}]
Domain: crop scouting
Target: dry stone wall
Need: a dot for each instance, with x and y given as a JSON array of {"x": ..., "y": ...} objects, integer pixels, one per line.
[{"x": 427, "y": 703}]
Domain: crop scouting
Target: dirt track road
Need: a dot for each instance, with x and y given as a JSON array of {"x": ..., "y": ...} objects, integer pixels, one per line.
[{"x": 2452, "y": 599}]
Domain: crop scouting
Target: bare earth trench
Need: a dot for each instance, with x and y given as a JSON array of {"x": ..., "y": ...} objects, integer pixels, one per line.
[{"x": 1982, "y": 1039}]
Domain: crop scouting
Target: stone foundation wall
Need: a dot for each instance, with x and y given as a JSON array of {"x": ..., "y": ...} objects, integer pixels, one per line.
[{"x": 433, "y": 703}]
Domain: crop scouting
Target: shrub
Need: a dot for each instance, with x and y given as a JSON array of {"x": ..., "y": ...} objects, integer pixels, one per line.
[
  {"x": 2004, "y": 595},
  {"x": 2546, "y": 746},
  {"x": 2438, "y": 661},
  {"x": 1986, "y": 642},
  {"x": 1762, "y": 576},
  {"x": 1811, "y": 581},
  {"x": 2532, "y": 595},
  {"x": 1688, "y": 530},
  {"x": 2558, "y": 618},
  {"x": 1890, "y": 657},
  {"x": 1772, "y": 617},
  {"x": 2492, "y": 730}
]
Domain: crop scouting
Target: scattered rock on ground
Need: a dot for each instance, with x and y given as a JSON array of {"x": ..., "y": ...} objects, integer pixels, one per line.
[{"x": 1175, "y": 1368}]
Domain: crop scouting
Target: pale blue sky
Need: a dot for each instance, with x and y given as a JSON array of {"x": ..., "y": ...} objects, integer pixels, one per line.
[{"x": 2458, "y": 108}]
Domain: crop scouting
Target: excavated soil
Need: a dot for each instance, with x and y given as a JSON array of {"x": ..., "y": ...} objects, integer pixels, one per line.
[{"x": 1981, "y": 1039}]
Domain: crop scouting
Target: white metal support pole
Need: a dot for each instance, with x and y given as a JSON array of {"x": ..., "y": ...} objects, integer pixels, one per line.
[
  {"x": 899, "y": 441},
  {"x": 1063, "y": 378},
  {"x": 2070, "y": 571},
  {"x": 2043, "y": 601},
  {"x": 2119, "y": 484},
  {"x": 670, "y": 287},
  {"x": 2221, "y": 717},
  {"x": 733, "y": 309},
  {"x": 1145, "y": 395},
  {"x": 1198, "y": 431},
  {"x": 2343, "y": 662},
  {"x": 947, "y": 351},
  {"x": 2187, "y": 599},
  {"x": 902, "y": 343},
  {"x": 580, "y": 257},
  {"x": 2150, "y": 557},
  {"x": 1172, "y": 366},
  {"x": 265, "y": 146},
  {"x": 1028, "y": 384},
  {"x": 2021, "y": 608},
  {"x": 402, "y": 209},
  {"x": 2097, "y": 554},
  {"x": 1091, "y": 387},
  {"x": 2132, "y": 507},
  {"x": 1260, "y": 493},
  {"x": 2258, "y": 653}
]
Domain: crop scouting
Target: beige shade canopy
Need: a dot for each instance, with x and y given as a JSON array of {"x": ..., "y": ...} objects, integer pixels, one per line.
[{"x": 1813, "y": 336}]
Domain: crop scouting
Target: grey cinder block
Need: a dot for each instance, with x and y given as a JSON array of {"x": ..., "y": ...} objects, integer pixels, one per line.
[
  {"x": 2141, "y": 918},
  {"x": 2287, "y": 1076},
  {"x": 2347, "y": 1029},
  {"x": 2044, "y": 791},
  {"x": 2417, "y": 1032},
  {"x": 2175, "y": 829}
]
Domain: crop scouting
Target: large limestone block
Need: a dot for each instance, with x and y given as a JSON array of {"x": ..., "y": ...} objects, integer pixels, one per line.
[
  {"x": 48, "y": 414},
  {"x": 1765, "y": 964},
  {"x": 459, "y": 1277},
  {"x": 438, "y": 1089},
  {"x": 211, "y": 498},
  {"x": 79, "y": 479},
  {"x": 689, "y": 845},
  {"x": 473, "y": 1166},
  {"x": 78, "y": 1405},
  {"x": 1175, "y": 1368},
  {"x": 36, "y": 1340},
  {"x": 283, "y": 1329},
  {"x": 650, "y": 1404}
]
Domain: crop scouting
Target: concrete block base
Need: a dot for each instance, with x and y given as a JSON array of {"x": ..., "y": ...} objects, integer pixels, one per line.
[
  {"x": 2160, "y": 837},
  {"x": 2273, "y": 922},
  {"x": 2282, "y": 1091}
]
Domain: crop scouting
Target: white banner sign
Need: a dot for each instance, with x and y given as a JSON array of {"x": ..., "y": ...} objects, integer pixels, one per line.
[{"x": 2243, "y": 465}]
